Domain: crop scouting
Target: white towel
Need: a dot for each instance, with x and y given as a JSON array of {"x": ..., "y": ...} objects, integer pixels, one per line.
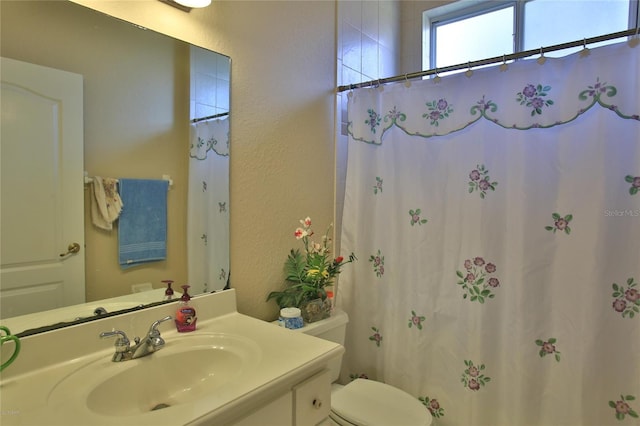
[{"x": 106, "y": 204}]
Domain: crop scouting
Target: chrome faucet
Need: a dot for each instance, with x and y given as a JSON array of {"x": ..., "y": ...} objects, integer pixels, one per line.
[{"x": 143, "y": 347}]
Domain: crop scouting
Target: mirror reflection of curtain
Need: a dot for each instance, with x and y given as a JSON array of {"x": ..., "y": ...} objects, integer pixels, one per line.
[
  {"x": 208, "y": 210},
  {"x": 496, "y": 219}
]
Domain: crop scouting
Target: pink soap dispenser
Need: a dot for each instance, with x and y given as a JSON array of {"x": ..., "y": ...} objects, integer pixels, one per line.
[
  {"x": 186, "y": 315},
  {"x": 168, "y": 293}
]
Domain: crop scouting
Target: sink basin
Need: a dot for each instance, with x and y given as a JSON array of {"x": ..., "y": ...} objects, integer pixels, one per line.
[{"x": 188, "y": 368}]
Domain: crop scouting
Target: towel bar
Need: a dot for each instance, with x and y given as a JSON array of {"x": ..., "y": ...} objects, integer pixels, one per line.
[{"x": 88, "y": 179}]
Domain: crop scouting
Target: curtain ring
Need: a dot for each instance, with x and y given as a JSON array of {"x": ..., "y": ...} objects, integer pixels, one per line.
[
  {"x": 407, "y": 83},
  {"x": 437, "y": 78},
  {"x": 634, "y": 40},
  {"x": 468, "y": 72},
  {"x": 585, "y": 50},
  {"x": 504, "y": 66},
  {"x": 541, "y": 60}
]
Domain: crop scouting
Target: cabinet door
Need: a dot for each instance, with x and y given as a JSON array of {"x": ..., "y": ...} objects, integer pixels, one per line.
[
  {"x": 276, "y": 413},
  {"x": 312, "y": 400}
]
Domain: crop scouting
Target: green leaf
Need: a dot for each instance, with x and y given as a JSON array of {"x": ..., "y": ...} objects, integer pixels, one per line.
[
  {"x": 485, "y": 293},
  {"x": 470, "y": 190},
  {"x": 567, "y": 230},
  {"x": 549, "y": 228},
  {"x": 629, "y": 281},
  {"x": 633, "y": 190},
  {"x": 480, "y": 299},
  {"x": 568, "y": 217},
  {"x": 630, "y": 398},
  {"x": 539, "y": 342},
  {"x": 628, "y": 178},
  {"x": 552, "y": 340},
  {"x": 555, "y": 216},
  {"x": 633, "y": 414},
  {"x": 294, "y": 266},
  {"x": 612, "y": 404},
  {"x": 615, "y": 286}
]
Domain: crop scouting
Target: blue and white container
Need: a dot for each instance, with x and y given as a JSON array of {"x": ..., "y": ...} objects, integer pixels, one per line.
[{"x": 290, "y": 318}]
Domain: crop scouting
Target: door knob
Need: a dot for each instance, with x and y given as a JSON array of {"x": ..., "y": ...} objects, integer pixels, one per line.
[{"x": 72, "y": 249}]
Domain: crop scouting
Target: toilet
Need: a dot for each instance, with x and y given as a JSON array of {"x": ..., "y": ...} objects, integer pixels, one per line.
[{"x": 364, "y": 402}]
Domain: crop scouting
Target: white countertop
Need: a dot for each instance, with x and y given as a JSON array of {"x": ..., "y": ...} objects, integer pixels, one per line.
[{"x": 284, "y": 358}]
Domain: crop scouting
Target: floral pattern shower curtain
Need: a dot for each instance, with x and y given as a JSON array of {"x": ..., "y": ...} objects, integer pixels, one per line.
[
  {"x": 496, "y": 218},
  {"x": 208, "y": 209}
]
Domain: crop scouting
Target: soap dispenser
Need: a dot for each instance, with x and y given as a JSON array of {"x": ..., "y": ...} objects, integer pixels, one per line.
[
  {"x": 186, "y": 315},
  {"x": 168, "y": 293}
]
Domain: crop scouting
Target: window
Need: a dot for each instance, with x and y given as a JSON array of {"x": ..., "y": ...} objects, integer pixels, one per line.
[{"x": 467, "y": 30}]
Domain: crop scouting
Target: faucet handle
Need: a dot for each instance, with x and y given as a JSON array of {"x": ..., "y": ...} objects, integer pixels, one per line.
[
  {"x": 153, "y": 330},
  {"x": 122, "y": 341},
  {"x": 154, "y": 333}
]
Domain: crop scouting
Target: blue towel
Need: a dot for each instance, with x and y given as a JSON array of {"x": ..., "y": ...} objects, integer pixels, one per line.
[{"x": 142, "y": 226}]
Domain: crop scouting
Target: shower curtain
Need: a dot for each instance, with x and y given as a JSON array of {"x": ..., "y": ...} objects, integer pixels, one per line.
[
  {"x": 495, "y": 215},
  {"x": 208, "y": 208}
]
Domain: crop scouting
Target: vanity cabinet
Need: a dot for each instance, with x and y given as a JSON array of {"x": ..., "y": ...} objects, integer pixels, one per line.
[
  {"x": 307, "y": 404},
  {"x": 312, "y": 400}
]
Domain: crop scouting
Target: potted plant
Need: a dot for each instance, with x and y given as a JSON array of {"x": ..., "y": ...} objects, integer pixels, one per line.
[{"x": 308, "y": 273}]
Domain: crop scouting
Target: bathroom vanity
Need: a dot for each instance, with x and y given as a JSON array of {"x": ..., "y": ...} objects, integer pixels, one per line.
[{"x": 233, "y": 370}]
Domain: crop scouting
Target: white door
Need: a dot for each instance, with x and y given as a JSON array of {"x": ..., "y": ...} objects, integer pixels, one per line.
[{"x": 41, "y": 195}]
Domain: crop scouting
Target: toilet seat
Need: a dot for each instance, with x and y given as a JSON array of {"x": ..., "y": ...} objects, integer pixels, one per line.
[{"x": 368, "y": 402}]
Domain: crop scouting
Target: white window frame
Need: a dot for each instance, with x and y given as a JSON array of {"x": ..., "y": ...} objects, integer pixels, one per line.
[{"x": 468, "y": 8}]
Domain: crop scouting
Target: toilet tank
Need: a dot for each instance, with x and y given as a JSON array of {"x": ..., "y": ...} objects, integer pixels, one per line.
[{"x": 333, "y": 329}]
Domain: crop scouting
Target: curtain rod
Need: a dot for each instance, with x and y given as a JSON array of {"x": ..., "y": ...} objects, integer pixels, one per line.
[
  {"x": 209, "y": 117},
  {"x": 493, "y": 60}
]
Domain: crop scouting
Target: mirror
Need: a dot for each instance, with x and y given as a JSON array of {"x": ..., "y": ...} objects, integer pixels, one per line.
[{"x": 142, "y": 94}]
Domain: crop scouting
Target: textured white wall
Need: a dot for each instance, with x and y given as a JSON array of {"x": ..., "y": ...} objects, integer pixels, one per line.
[{"x": 283, "y": 79}]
